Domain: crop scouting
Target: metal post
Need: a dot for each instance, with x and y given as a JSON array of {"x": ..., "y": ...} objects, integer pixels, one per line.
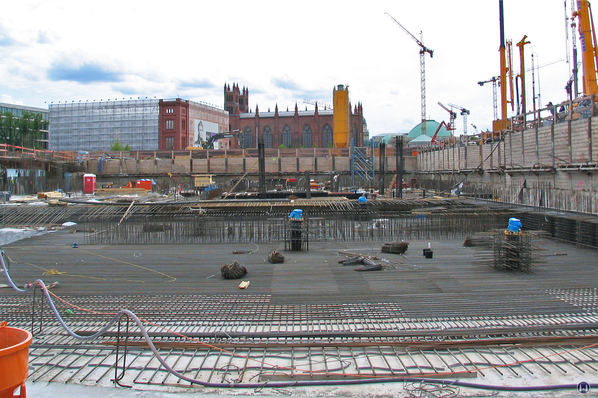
[
  {"x": 382, "y": 168},
  {"x": 307, "y": 184},
  {"x": 400, "y": 165},
  {"x": 261, "y": 153}
]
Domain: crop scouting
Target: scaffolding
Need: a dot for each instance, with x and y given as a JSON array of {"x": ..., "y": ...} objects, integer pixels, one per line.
[{"x": 97, "y": 125}]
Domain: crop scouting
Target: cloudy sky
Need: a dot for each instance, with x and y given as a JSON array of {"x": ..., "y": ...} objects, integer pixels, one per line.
[{"x": 284, "y": 52}]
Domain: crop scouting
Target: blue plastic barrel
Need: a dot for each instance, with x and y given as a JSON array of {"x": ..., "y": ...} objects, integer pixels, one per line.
[
  {"x": 296, "y": 214},
  {"x": 514, "y": 225}
]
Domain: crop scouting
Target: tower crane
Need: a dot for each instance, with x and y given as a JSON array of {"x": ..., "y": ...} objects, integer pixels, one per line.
[
  {"x": 422, "y": 65},
  {"x": 312, "y": 102},
  {"x": 452, "y": 116},
  {"x": 494, "y": 80},
  {"x": 464, "y": 113}
]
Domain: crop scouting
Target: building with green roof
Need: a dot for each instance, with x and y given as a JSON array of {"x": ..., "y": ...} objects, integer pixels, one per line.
[{"x": 415, "y": 136}]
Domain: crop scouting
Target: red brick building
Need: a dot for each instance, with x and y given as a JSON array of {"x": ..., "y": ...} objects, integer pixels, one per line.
[
  {"x": 185, "y": 124},
  {"x": 293, "y": 129}
]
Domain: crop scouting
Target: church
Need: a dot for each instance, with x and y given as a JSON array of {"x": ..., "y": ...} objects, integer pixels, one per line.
[{"x": 317, "y": 128}]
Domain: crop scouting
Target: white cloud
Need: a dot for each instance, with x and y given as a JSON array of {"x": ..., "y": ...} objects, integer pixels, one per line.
[
  {"x": 283, "y": 52},
  {"x": 9, "y": 99}
]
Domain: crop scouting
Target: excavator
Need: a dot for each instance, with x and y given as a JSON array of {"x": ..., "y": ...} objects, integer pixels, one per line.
[{"x": 209, "y": 144}]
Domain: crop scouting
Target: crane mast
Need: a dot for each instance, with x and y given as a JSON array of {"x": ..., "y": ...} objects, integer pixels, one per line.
[
  {"x": 501, "y": 124},
  {"x": 464, "y": 113},
  {"x": 494, "y": 80},
  {"x": 422, "y": 66}
]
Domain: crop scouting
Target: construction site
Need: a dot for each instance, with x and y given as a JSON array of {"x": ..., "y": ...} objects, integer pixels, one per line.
[{"x": 457, "y": 269}]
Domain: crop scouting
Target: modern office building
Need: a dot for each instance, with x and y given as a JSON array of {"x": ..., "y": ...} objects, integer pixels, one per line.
[{"x": 20, "y": 110}]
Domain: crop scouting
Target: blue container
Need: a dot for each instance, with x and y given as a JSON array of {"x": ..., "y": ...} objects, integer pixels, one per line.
[
  {"x": 514, "y": 225},
  {"x": 296, "y": 214}
]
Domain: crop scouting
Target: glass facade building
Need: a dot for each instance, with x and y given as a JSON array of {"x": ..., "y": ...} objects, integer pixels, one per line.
[
  {"x": 95, "y": 126},
  {"x": 19, "y": 110}
]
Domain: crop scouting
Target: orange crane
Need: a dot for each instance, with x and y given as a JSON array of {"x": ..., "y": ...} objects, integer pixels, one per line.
[
  {"x": 422, "y": 65},
  {"x": 522, "y": 43},
  {"x": 587, "y": 35}
]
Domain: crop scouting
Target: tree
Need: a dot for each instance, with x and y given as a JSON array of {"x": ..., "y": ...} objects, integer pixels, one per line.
[
  {"x": 25, "y": 131},
  {"x": 118, "y": 147},
  {"x": 8, "y": 128}
]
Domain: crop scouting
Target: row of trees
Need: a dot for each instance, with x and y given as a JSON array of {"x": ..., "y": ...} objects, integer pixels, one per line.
[{"x": 27, "y": 130}]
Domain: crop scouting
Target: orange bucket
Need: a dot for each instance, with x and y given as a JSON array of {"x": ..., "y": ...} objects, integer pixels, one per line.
[{"x": 14, "y": 360}]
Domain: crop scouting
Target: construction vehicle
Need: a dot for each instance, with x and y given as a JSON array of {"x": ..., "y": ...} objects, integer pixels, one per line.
[
  {"x": 422, "y": 64},
  {"x": 443, "y": 123},
  {"x": 209, "y": 144}
]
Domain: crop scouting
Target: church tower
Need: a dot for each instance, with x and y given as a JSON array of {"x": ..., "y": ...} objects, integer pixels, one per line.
[{"x": 235, "y": 101}]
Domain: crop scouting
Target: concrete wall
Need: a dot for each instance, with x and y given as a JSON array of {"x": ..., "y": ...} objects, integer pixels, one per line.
[
  {"x": 565, "y": 144},
  {"x": 549, "y": 165}
]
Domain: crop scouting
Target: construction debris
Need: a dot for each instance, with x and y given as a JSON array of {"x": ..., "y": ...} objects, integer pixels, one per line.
[
  {"x": 233, "y": 270},
  {"x": 482, "y": 239},
  {"x": 367, "y": 262},
  {"x": 352, "y": 260},
  {"x": 369, "y": 265},
  {"x": 50, "y": 195},
  {"x": 244, "y": 284},
  {"x": 276, "y": 257},
  {"x": 395, "y": 247},
  {"x": 344, "y": 253}
]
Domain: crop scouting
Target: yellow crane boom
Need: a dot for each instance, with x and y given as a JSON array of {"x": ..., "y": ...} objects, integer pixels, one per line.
[{"x": 587, "y": 37}]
